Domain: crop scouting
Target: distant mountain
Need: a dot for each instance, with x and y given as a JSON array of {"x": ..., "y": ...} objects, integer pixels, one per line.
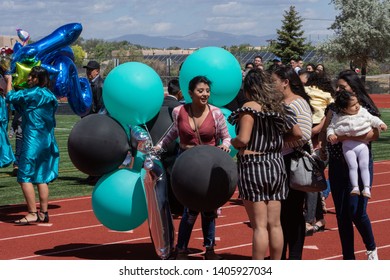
[{"x": 198, "y": 39}]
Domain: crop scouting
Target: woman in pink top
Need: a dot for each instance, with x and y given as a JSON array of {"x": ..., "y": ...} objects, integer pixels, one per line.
[{"x": 197, "y": 123}]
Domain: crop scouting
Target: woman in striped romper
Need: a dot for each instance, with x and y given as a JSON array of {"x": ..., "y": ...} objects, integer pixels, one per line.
[{"x": 260, "y": 127}]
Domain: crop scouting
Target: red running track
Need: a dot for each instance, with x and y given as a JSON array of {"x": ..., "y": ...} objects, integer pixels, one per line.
[{"x": 75, "y": 233}]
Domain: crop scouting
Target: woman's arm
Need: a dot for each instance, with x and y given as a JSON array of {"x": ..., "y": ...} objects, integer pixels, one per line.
[
  {"x": 322, "y": 141},
  {"x": 173, "y": 132},
  {"x": 8, "y": 81},
  {"x": 372, "y": 135},
  {"x": 294, "y": 134},
  {"x": 246, "y": 126},
  {"x": 317, "y": 129},
  {"x": 223, "y": 132}
]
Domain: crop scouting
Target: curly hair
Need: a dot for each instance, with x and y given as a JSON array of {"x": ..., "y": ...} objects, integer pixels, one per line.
[{"x": 258, "y": 87}]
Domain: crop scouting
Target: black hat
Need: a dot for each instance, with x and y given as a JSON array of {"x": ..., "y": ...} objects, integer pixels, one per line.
[{"x": 92, "y": 65}]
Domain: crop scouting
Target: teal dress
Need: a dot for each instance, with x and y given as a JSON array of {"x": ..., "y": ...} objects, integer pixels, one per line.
[
  {"x": 6, "y": 153},
  {"x": 39, "y": 157}
]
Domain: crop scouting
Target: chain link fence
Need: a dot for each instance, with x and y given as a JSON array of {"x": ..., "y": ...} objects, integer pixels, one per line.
[{"x": 168, "y": 65}]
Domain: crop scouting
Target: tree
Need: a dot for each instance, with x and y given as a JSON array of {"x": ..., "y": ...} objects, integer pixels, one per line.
[
  {"x": 362, "y": 32},
  {"x": 290, "y": 41},
  {"x": 79, "y": 55}
]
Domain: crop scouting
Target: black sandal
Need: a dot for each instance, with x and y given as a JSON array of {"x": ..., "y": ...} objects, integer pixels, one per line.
[
  {"x": 45, "y": 218},
  {"x": 318, "y": 228},
  {"x": 25, "y": 221}
]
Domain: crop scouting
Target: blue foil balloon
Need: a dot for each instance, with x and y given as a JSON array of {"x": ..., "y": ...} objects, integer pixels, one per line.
[
  {"x": 55, "y": 55},
  {"x": 61, "y": 37},
  {"x": 133, "y": 93},
  {"x": 77, "y": 90},
  {"x": 220, "y": 67}
]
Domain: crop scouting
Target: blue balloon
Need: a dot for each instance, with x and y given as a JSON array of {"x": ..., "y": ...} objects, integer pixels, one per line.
[
  {"x": 59, "y": 38},
  {"x": 17, "y": 47},
  {"x": 77, "y": 90},
  {"x": 231, "y": 128},
  {"x": 119, "y": 201},
  {"x": 56, "y": 56},
  {"x": 220, "y": 67},
  {"x": 138, "y": 162},
  {"x": 133, "y": 93}
]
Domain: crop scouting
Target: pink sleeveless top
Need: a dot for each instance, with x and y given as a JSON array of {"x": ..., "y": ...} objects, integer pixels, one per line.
[{"x": 188, "y": 135}]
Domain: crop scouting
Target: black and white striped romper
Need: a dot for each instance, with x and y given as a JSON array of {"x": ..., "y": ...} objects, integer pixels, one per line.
[{"x": 263, "y": 177}]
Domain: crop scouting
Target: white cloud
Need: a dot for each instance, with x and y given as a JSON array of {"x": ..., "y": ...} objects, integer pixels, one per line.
[
  {"x": 162, "y": 27},
  {"x": 113, "y": 18},
  {"x": 230, "y": 8}
]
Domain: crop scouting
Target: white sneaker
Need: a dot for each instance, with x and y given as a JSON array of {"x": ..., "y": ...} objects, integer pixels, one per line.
[
  {"x": 372, "y": 255},
  {"x": 355, "y": 191},
  {"x": 366, "y": 192}
]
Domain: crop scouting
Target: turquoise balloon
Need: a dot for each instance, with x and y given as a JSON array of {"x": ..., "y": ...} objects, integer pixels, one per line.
[
  {"x": 119, "y": 201},
  {"x": 231, "y": 128},
  {"x": 133, "y": 93},
  {"x": 138, "y": 161},
  {"x": 220, "y": 67}
]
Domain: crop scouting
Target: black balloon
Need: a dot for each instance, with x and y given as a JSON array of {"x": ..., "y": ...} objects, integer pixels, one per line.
[
  {"x": 204, "y": 178},
  {"x": 97, "y": 145}
]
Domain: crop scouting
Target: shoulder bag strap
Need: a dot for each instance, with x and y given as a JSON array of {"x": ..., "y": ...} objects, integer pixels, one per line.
[{"x": 196, "y": 127}]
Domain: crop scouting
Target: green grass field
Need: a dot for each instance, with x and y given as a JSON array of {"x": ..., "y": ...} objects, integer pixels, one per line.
[{"x": 69, "y": 182}]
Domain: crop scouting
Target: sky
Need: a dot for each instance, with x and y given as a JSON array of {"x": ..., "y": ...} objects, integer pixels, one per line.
[{"x": 110, "y": 19}]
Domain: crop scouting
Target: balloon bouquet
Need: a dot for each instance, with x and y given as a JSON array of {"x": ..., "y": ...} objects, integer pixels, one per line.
[
  {"x": 53, "y": 52},
  {"x": 98, "y": 144},
  {"x": 124, "y": 198}
]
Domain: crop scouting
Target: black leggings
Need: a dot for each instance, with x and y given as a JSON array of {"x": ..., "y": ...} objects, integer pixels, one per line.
[{"x": 292, "y": 220}]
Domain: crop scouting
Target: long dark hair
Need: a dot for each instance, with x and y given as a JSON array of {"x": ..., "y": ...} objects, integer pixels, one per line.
[
  {"x": 288, "y": 73},
  {"x": 358, "y": 88},
  {"x": 41, "y": 74}
]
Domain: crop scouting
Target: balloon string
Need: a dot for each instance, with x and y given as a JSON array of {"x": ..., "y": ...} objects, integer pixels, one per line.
[{"x": 165, "y": 133}]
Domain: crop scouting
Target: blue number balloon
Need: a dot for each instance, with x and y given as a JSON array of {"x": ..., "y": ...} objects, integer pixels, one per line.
[{"x": 55, "y": 55}]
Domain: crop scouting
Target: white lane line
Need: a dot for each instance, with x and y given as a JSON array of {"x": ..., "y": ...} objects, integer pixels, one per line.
[
  {"x": 311, "y": 247},
  {"x": 357, "y": 252},
  {"x": 48, "y": 232},
  {"x": 60, "y": 214},
  {"x": 148, "y": 237},
  {"x": 50, "y": 202},
  {"x": 369, "y": 202}
]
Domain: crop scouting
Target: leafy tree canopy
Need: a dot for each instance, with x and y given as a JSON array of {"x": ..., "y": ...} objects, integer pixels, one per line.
[{"x": 362, "y": 32}]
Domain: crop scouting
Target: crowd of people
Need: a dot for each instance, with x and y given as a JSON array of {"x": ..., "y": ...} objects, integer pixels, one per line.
[{"x": 278, "y": 110}]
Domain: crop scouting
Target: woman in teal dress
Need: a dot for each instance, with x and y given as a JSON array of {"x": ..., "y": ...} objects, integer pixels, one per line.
[
  {"x": 6, "y": 153},
  {"x": 39, "y": 159}
]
